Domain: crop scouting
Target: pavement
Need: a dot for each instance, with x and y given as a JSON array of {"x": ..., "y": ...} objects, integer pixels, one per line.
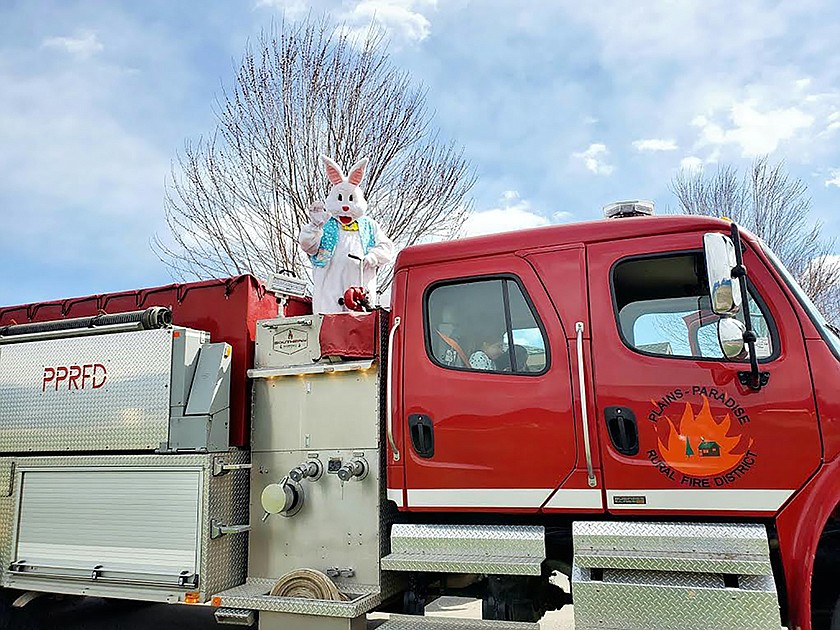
[
  {"x": 458, "y": 607},
  {"x": 98, "y": 614}
]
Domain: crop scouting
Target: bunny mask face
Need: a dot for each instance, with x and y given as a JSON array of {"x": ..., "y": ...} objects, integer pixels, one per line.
[{"x": 346, "y": 202}]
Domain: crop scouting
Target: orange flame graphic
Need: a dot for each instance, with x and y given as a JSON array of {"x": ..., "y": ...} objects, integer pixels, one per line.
[{"x": 701, "y": 446}]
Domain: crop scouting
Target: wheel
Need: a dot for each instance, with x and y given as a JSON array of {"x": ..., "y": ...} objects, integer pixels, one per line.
[
  {"x": 835, "y": 616},
  {"x": 5, "y": 613},
  {"x": 15, "y": 618},
  {"x": 414, "y": 603},
  {"x": 509, "y": 599},
  {"x": 489, "y": 610}
]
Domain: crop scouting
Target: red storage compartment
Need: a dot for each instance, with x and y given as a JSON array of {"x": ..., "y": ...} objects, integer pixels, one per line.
[{"x": 227, "y": 309}]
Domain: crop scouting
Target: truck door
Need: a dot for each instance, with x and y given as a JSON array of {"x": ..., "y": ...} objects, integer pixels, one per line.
[
  {"x": 488, "y": 403},
  {"x": 678, "y": 430}
]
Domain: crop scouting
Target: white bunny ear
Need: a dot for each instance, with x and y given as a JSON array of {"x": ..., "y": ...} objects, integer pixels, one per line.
[
  {"x": 334, "y": 173},
  {"x": 357, "y": 172}
]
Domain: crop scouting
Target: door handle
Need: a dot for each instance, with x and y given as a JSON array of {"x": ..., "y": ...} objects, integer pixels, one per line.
[
  {"x": 584, "y": 404},
  {"x": 389, "y": 428},
  {"x": 622, "y": 429},
  {"x": 422, "y": 434}
]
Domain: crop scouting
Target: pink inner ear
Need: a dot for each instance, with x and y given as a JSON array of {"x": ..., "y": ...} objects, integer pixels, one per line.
[
  {"x": 357, "y": 172},
  {"x": 334, "y": 175}
]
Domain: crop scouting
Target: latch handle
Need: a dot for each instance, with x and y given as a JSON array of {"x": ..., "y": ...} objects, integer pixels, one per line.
[
  {"x": 217, "y": 529},
  {"x": 220, "y": 467}
]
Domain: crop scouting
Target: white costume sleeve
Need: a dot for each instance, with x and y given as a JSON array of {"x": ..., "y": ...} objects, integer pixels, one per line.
[
  {"x": 383, "y": 252},
  {"x": 310, "y": 238}
]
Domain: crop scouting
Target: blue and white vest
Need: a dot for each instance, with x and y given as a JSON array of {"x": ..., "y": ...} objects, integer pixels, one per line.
[{"x": 329, "y": 239}]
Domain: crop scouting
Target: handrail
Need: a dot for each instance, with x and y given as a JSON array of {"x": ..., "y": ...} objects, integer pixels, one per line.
[
  {"x": 389, "y": 388},
  {"x": 584, "y": 414}
]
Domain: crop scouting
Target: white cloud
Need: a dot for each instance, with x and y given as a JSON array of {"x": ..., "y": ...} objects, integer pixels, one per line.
[
  {"x": 292, "y": 8},
  {"x": 402, "y": 20},
  {"x": 595, "y": 159},
  {"x": 85, "y": 45},
  {"x": 755, "y": 130},
  {"x": 655, "y": 144},
  {"x": 833, "y": 178},
  {"x": 833, "y": 122},
  {"x": 513, "y": 214}
]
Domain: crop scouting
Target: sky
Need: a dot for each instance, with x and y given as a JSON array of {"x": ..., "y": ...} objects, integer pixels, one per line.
[{"x": 561, "y": 107}]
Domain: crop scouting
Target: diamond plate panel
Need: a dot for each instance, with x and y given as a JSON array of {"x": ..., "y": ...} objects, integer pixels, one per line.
[
  {"x": 98, "y": 393},
  {"x": 649, "y": 561},
  {"x": 225, "y": 498},
  {"x": 668, "y": 601},
  {"x": 469, "y": 540},
  {"x": 462, "y": 564},
  {"x": 406, "y": 622},
  {"x": 708, "y": 538},
  {"x": 225, "y": 559},
  {"x": 253, "y": 595}
]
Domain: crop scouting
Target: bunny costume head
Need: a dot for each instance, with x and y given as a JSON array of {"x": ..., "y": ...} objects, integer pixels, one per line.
[
  {"x": 345, "y": 246},
  {"x": 346, "y": 201}
]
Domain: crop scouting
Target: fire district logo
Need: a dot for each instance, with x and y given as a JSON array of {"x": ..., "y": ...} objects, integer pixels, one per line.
[
  {"x": 698, "y": 447},
  {"x": 291, "y": 341}
]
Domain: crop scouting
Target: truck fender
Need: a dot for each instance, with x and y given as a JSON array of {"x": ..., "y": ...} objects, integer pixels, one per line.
[{"x": 799, "y": 526}]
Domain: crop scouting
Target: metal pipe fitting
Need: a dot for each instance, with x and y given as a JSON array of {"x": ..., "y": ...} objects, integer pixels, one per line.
[
  {"x": 311, "y": 469},
  {"x": 356, "y": 467}
]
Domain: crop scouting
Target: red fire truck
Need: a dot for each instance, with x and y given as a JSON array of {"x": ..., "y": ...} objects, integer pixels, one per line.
[{"x": 647, "y": 405}]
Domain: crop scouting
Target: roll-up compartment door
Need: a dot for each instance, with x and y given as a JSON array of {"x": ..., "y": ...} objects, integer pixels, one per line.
[{"x": 120, "y": 525}]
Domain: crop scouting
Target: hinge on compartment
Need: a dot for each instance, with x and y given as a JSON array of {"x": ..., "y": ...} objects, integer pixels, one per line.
[{"x": 188, "y": 579}]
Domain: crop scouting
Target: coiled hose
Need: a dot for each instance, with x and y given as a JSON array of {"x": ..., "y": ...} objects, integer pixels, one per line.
[{"x": 307, "y": 584}]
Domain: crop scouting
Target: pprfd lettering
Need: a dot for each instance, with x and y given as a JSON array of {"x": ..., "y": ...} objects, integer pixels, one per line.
[{"x": 87, "y": 376}]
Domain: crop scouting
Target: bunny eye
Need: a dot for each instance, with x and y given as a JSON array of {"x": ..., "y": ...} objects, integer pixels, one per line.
[
  {"x": 351, "y": 197},
  {"x": 339, "y": 196}
]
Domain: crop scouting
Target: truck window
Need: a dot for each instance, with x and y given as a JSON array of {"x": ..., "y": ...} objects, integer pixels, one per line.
[
  {"x": 663, "y": 308},
  {"x": 484, "y": 325}
]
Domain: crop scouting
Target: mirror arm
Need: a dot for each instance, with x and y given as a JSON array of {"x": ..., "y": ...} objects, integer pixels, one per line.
[{"x": 755, "y": 379}]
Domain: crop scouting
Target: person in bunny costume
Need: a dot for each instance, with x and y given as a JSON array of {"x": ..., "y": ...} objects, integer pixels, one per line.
[{"x": 337, "y": 229}]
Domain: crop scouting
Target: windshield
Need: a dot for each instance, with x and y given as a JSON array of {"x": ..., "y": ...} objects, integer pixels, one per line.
[{"x": 831, "y": 338}]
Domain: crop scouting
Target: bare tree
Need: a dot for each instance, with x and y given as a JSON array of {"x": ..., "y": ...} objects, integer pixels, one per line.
[
  {"x": 775, "y": 207},
  {"x": 239, "y": 197}
]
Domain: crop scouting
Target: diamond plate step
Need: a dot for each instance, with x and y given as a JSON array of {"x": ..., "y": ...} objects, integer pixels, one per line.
[
  {"x": 672, "y": 576},
  {"x": 235, "y": 616},
  {"x": 497, "y": 550},
  {"x": 408, "y": 622},
  {"x": 738, "y": 549}
]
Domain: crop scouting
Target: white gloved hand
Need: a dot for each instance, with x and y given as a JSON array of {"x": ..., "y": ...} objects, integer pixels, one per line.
[
  {"x": 370, "y": 261},
  {"x": 317, "y": 214}
]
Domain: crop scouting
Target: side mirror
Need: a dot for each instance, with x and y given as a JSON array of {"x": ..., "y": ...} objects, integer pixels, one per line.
[
  {"x": 731, "y": 337},
  {"x": 724, "y": 290}
]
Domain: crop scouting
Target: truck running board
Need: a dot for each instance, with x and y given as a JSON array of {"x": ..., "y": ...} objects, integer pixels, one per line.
[
  {"x": 490, "y": 549},
  {"x": 408, "y": 622},
  {"x": 673, "y": 576}
]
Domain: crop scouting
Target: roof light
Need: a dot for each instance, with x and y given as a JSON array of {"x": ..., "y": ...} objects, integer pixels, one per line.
[{"x": 634, "y": 208}]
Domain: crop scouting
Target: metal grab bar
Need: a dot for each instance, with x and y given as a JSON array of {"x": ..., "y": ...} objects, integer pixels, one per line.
[
  {"x": 584, "y": 412},
  {"x": 389, "y": 388}
]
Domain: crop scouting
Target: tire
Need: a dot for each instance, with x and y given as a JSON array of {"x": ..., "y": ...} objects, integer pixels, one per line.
[
  {"x": 16, "y": 618},
  {"x": 5, "y": 613},
  {"x": 835, "y": 616}
]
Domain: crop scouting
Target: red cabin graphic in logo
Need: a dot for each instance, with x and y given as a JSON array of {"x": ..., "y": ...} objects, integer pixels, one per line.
[{"x": 701, "y": 445}]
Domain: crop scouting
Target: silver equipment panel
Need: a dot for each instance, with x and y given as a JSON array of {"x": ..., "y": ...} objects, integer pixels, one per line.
[
  {"x": 143, "y": 527},
  {"x": 97, "y": 393}
]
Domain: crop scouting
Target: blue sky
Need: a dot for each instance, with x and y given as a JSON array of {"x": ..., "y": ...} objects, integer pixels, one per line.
[{"x": 561, "y": 107}]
